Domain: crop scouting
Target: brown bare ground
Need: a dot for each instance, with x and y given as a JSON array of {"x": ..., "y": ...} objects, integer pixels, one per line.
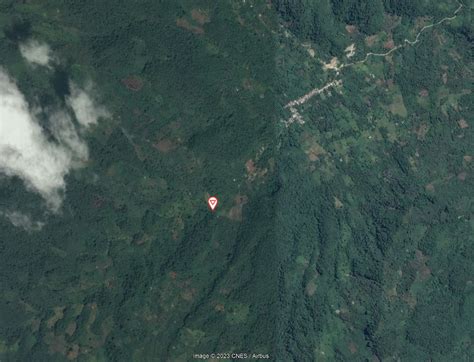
[
  {"x": 35, "y": 325},
  {"x": 253, "y": 172},
  {"x": 462, "y": 176},
  {"x": 333, "y": 64},
  {"x": 165, "y": 145},
  {"x": 247, "y": 83},
  {"x": 421, "y": 131},
  {"x": 391, "y": 21},
  {"x": 200, "y": 16},
  {"x": 235, "y": 213},
  {"x": 58, "y": 314},
  {"x": 424, "y": 271},
  {"x": 370, "y": 40},
  {"x": 142, "y": 240},
  {"x": 98, "y": 202},
  {"x": 133, "y": 82},
  {"x": 463, "y": 123},
  {"x": 409, "y": 299},
  {"x": 104, "y": 263},
  {"x": 422, "y": 21},
  {"x": 338, "y": 203},
  {"x": 352, "y": 347},
  {"x": 225, "y": 291},
  {"x": 250, "y": 166},
  {"x": 189, "y": 294},
  {"x": 71, "y": 328},
  {"x": 392, "y": 293},
  {"x": 445, "y": 78},
  {"x": 389, "y": 44},
  {"x": 423, "y": 93},
  {"x": 184, "y": 24},
  {"x": 314, "y": 152},
  {"x": 351, "y": 29},
  {"x": 57, "y": 344},
  {"x": 467, "y": 158},
  {"x": 73, "y": 352},
  {"x": 178, "y": 225},
  {"x": 310, "y": 288}
]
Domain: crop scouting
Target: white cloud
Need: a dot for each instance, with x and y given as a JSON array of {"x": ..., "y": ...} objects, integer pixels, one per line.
[
  {"x": 85, "y": 108},
  {"x": 27, "y": 153},
  {"x": 36, "y": 53},
  {"x": 19, "y": 219},
  {"x": 65, "y": 132}
]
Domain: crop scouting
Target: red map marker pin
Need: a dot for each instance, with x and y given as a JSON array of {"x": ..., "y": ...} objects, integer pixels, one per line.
[{"x": 212, "y": 202}]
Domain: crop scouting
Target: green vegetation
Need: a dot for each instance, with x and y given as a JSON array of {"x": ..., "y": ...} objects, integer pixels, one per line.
[{"x": 348, "y": 237}]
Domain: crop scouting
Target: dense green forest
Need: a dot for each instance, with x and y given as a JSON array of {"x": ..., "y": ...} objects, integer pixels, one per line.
[{"x": 344, "y": 236}]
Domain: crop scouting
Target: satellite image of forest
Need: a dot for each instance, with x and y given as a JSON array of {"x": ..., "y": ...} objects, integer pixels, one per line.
[{"x": 336, "y": 135}]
